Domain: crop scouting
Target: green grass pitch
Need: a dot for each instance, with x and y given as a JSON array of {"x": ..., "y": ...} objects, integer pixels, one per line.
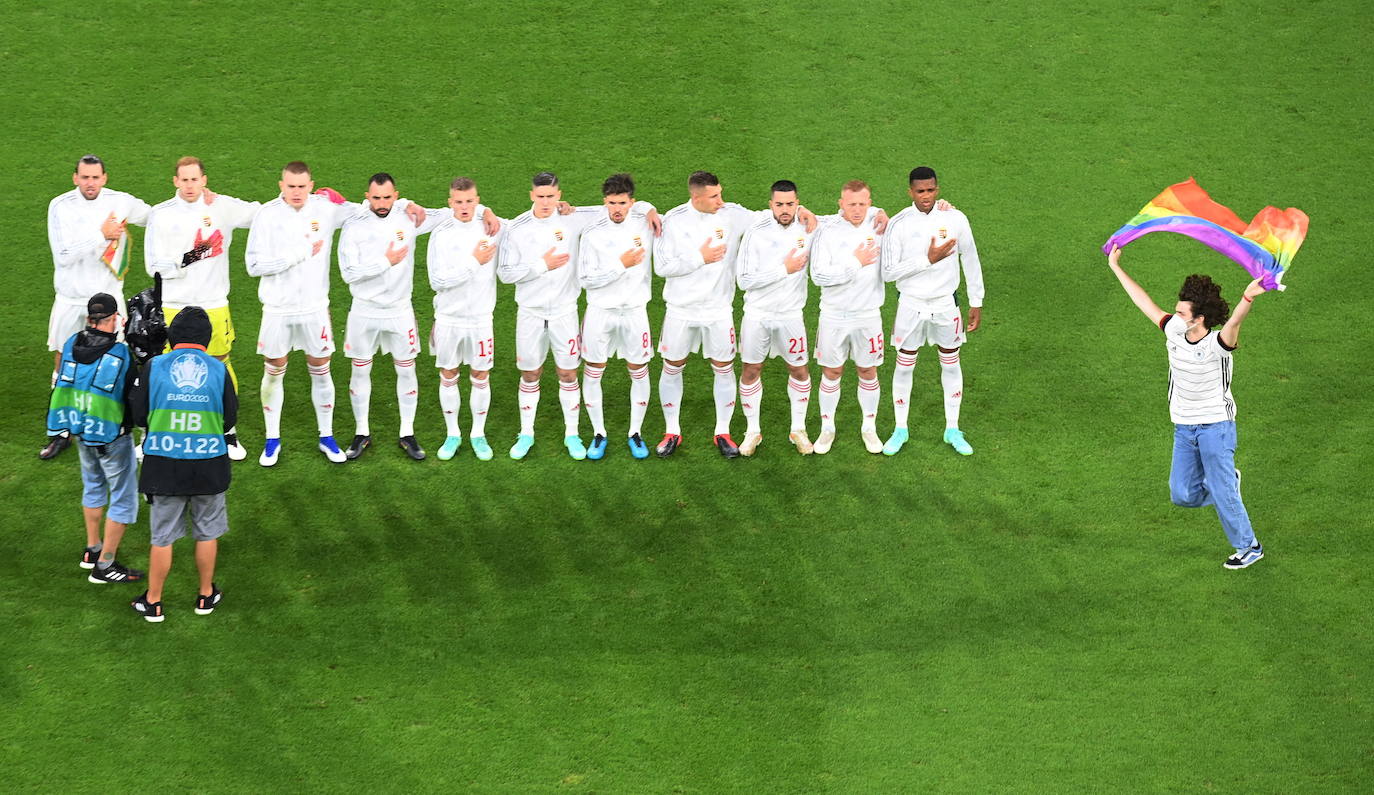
[{"x": 1035, "y": 618}]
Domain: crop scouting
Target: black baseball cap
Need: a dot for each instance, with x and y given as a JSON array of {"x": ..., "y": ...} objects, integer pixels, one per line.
[{"x": 101, "y": 306}]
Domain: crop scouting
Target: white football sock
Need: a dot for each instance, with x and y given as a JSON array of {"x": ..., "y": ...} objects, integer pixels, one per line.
[
  {"x": 529, "y": 406},
  {"x": 273, "y": 395},
  {"x": 360, "y": 394},
  {"x": 407, "y": 395},
  {"x": 479, "y": 401},
  {"x": 830, "y": 402},
  {"x": 901, "y": 387},
  {"x": 639, "y": 399},
  {"x": 750, "y": 395},
  {"x": 724, "y": 392},
  {"x": 591, "y": 397},
  {"x": 670, "y": 397},
  {"x": 952, "y": 379},
  {"x": 322, "y": 395},
  {"x": 451, "y": 402},
  {"x": 869, "y": 392},
  {"x": 569, "y": 399},
  {"x": 799, "y": 395}
]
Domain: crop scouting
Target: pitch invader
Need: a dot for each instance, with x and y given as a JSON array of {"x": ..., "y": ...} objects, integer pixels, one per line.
[
  {"x": 377, "y": 260},
  {"x": 922, "y": 252},
  {"x": 772, "y": 274},
  {"x": 845, "y": 265},
  {"x": 188, "y": 244},
  {"x": 539, "y": 256},
  {"x": 289, "y": 245},
  {"x": 614, "y": 267},
  {"x": 90, "y": 254},
  {"x": 462, "y": 271},
  {"x": 699, "y": 247}
]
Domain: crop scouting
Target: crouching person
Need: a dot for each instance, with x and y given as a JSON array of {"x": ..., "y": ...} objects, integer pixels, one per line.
[
  {"x": 185, "y": 400},
  {"x": 95, "y": 372}
]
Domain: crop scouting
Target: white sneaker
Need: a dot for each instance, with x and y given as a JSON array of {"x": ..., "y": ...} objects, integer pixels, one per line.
[
  {"x": 270, "y": 450},
  {"x": 750, "y": 443},
  {"x": 824, "y": 441},
  {"x": 799, "y": 440},
  {"x": 236, "y": 451},
  {"x": 872, "y": 442}
]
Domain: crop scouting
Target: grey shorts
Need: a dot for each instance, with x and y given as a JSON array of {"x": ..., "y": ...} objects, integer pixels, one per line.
[{"x": 168, "y": 514}]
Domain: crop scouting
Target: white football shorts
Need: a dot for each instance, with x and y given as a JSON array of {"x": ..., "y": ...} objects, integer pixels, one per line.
[
  {"x": 715, "y": 339},
  {"x": 307, "y": 331},
  {"x": 611, "y": 332},
  {"x": 458, "y": 343},
  {"x": 781, "y": 336},
  {"x": 858, "y": 340},
  {"x": 927, "y": 323},
  {"x": 396, "y": 335},
  {"x": 535, "y": 337}
]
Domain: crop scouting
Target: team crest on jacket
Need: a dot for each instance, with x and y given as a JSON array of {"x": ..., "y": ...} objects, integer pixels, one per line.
[
  {"x": 801, "y": 243},
  {"x": 314, "y": 226},
  {"x": 401, "y": 235},
  {"x": 558, "y": 235},
  {"x": 944, "y": 233},
  {"x": 207, "y": 222},
  {"x": 639, "y": 242},
  {"x": 189, "y": 372},
  {"x": 720, "y": 234}
]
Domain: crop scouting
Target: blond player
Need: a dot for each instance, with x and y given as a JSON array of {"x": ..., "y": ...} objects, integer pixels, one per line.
[
  {"x": 462, "y": 271},
  {"x": 923, "y": 250},
  {"x": 188, "y": 244},
  {"x": 86, "y": 230},
  {"x": 844, "y": 264},
  {"x": 614, "y": 267}
]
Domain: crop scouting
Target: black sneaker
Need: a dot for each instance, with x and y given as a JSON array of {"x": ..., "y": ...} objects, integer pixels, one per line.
[
  {"x": 411, "y": 447},
  {"x": 357, "y": 446},
  {"x": 669, "y": 445},
  {"x": 205, "y": 605},
  {"x": 116, "y": 572},
  {"x": 151, "y": 611},
  {"x": 55, "y": 446},
  {"x": 89, "y": 557},
  {"x": 1244, "y": 557},
  {"x": 726, "y": 445}
]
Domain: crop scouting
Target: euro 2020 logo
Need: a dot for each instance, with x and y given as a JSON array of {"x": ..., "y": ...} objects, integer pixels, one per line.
[{"x": 188, "y": 372}]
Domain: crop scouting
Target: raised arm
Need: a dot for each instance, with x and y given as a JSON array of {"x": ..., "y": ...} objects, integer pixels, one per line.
[
  {"x": 1230, "y": 333},
  {"x": 1136, "y": 292}
]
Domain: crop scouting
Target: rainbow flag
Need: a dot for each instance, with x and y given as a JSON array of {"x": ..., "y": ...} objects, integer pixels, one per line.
[{"x": 1264, "y": 247}]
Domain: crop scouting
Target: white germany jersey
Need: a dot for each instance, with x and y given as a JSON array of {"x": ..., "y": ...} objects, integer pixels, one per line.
[
  {"x": 293, "y": 280},
  {"x": 1199, "y": 376},
  {"x": 692, "y": 288},
  {"x": 464, "y": 289},
  {"x": 177, "y": 226},
  {"x": 906, "y": 260},
  {"x": 379, "y": 288},
  {"x": 609, "y": 284},
  {"x": 848, "y": 289},
  {"x": 83, "y": 262},
  {"x": 769, "y": 290}
]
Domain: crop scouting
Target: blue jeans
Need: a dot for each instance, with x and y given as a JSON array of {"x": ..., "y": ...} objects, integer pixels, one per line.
[
  {"x": 113, "y": 475},
  {"x": 1204, "y": 473}
]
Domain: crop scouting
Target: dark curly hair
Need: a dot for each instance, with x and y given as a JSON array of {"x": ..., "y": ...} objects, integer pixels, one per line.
[{"x": 1204, "y": 295}]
